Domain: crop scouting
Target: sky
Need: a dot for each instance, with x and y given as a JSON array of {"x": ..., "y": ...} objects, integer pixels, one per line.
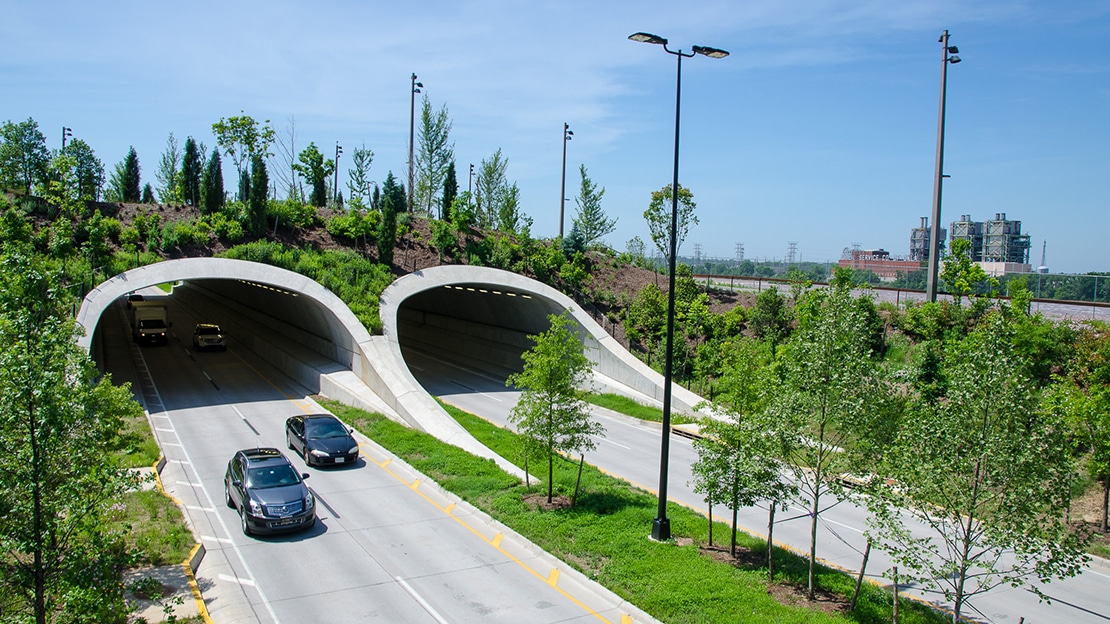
[{"x": 819, "y": 129}]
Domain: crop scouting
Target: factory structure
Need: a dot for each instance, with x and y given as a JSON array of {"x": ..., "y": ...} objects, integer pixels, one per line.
[{"x": 997, "y": 245}]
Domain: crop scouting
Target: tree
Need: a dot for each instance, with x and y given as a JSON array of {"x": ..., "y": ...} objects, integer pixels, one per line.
[
  {"x": 57, "y": 475},
  {"x": 434, "y": 153},
  {"x": 450, "y": 192},
  {"x": 828, "y": 403},
  {"x": 23, "y": 155},
  {"x": 148, "y": 194},
  {"x": 125, "y": 184},
  {"x": 551, "y": 412},
  {"x": 260, "y": 189},
  {"x": 510, "y": 217},
  {"x": 658, "y": 216},
  {"x": 212, "y": 184},
  {"x": 736, "y": 464},
  {"x": 591, "y": 219},
  {"x": 770, "y": 318},
  {"x": 490, "y": 189},
  {"x": 287, "y": 157},
  {"x": 358, "y": 178},
  {"x": 241, "y": 138},
  {"x": 392, "y": 202},
  {"x": 315, "y": 171},
  {"x": 168, "y": 175},
  {"x": 987, "y": 471},
  {"x": 960, "y": 273},
  {"x": 192, "y": 169},
  {"x": 88, "y": 169}
]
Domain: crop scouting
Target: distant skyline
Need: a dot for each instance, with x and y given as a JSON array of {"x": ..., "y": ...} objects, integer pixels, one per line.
[{"x": 819, "y": 128}]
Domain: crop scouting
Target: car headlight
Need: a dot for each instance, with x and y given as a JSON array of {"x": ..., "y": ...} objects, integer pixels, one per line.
[
  {"x": 309, "y": 501},
  {"x": 318, "y": 453},
  {"x": 353, "y": 450},
  {"x": 256, "y": 507}
]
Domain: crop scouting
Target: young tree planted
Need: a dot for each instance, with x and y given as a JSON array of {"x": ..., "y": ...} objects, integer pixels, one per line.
[
  {"x": 212, "y": 185},
  {"x": 260, "y": 189},
  {"x": 490, "y": 189},
  {"x": 241, "y": 138},
  {"x": 168, "y": 175},
  {"x": 315, "y": 170},
  {"x": 435, "y": 152},
  {"x": 192, "y": 169},
  {"x": 551, "y": 413},
  {"x": 88, "y": 169},
  {"x": 358, "y": 178},
  {"x": 591, "y": 220},
  {"x": 450, "y": 192},
  {"x": 987, "y": 471},
  {"x": 658, "y": 217}
]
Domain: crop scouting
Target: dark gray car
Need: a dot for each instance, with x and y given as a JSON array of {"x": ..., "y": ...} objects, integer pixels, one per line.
[
  {"x": 322, "y": 439},
  {"x": 268, "y": 492}
]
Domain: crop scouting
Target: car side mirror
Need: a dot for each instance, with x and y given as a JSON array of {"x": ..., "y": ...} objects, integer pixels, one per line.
[
  {"x": 304, "y": 475},
  {"x": 236, "y": 483}
]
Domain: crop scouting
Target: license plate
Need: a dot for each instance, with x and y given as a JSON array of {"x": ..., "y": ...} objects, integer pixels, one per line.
[
  {"x": 340, "y": 460},
  {"x": 285, "y": 522}
]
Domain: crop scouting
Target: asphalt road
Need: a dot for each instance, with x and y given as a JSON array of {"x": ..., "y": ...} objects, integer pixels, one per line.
[
  {"x": 385, "y": 547},
  {"x": 630, "y": 450}
]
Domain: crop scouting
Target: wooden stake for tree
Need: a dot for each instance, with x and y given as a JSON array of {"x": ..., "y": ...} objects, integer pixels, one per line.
[
  {"x": 710, "y": 524},
  {"x": 574, "y": 499},
  {"x": 859, "y": 579},
  {"x": 771, "y": 543},
  {"x": 895, "y": 594}
]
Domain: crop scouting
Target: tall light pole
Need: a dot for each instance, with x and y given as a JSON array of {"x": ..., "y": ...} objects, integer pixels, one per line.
[
  {"x": 416, "y": 86},
  {"x": 938, "y": 174},
  {"x": 335, "y": 184},
  {"x": 661, "y": 526},
  {"x": 66, "y": 133},
  {"x": 567, "y": 135}
]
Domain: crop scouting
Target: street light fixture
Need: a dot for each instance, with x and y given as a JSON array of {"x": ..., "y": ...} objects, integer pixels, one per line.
[
  {"x": 938, "y": 174},
  {"x": 416, "y": 86},
  {"x": 568, "y": 134},
  {"x": 661, "y": 526},
  {"x": 335, "y": 184},
  {"x": 66, "y": 132}
]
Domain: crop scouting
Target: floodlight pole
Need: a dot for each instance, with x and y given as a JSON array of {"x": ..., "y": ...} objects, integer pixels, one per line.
[
  {"x": 416, "y": 86},
  {"x": 938, "y": 173},
  {"x": 661, "y": 526},
  {"x": 567, "y": 134}
]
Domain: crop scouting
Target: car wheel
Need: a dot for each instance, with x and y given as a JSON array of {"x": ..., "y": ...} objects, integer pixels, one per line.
[
  {"x": 227, "y": 496},
  {"x": 307, "y": 455},
  {"x": 243, "y": 522}
]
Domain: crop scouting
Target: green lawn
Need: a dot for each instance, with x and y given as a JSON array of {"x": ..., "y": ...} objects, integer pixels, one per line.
[
  {"x": 606, "y": 535},
  {"x": 627, "y": 406}
]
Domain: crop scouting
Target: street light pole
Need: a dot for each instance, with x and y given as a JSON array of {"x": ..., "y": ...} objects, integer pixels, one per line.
[
  {"x": 416, "y": 86},
  {"x": 661, "y": 526},
  {"x": 567, "y": 135},
  {"x": 335, "y": 184},
  {"x": 66, "y": 133},
  {"x": 938, "y": 174}
]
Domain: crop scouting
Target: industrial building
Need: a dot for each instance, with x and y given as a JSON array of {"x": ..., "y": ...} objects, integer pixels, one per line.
[
  {"x": 997, "y": 244},
  {"x": 920, "y": 237}
]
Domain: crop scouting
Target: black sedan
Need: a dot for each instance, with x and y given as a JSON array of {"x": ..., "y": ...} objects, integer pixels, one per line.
[
  {"x": 321, "y": 439},
  {"x": 268, "y": 492}
]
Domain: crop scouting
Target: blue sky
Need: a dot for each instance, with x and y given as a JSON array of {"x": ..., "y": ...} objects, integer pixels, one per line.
[{"x": 820, "y": 128}]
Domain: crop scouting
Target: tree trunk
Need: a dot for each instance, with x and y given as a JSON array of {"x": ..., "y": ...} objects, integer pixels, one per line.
[
  {"x": 812, "y": 581},
  {"x": 550, "y": 474},
  {"x": 1105, "y": 501},
  {"x": 895, "y": 618},
  {"x": 711, "y": 524},
  {"x": 734, "y": 512},
  {"x": 771, "y": 543}
]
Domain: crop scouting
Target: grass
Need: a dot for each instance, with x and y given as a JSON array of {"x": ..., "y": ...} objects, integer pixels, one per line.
[
  {"x": 629, "y": 407},
  {"x": 154, "y": 526},
  {"x": 606, "y": 535},
  {"x": 138, "y": 448}
]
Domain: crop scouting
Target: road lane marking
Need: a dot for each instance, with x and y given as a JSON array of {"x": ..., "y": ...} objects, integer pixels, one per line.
[
  {"x": 627, "y": 448},
  {"x": 420, "y": 599},
  {"x": 237, "y": 580},
  {"x": 218, "y": 540},
  {"x": 553, "y": 577}
]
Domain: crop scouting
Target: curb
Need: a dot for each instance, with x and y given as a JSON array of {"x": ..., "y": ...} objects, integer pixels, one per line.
[{"x": 196, "y": 555}]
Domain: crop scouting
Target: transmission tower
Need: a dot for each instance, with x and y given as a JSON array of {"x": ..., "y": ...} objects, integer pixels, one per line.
[
  {"x": 739, "y": 252},
  {"x": 791, "y": 251},
  {"x": 697, "y": 252}
]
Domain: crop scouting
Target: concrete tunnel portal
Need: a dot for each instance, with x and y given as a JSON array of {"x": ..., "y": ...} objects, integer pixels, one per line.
[{"x": 473, "y": 316}]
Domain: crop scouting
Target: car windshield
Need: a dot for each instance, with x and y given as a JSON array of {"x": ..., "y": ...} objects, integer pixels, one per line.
[
  {"x": 325, "y": 428},
  {"x": 151, "y": 324},
  {"x": 273, "y": 476},
  {"x": 208, "y": 331}
]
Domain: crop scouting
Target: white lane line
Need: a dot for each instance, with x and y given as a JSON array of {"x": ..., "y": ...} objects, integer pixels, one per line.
[
  {"x": 627, "y": 448},
  {"x": 165, "y": 430},
  {"x": 236, "y": 580},
  {"x": 171, "y": 444},
  {"x": 841, "y": 524},
  {"x": 1097, "y": 573},
  {"x": 199, "y": 508},
  {"x": 188, "y": 483},
  {"x": 218, "y": 540},
  {"x": 423, "y": 603}
]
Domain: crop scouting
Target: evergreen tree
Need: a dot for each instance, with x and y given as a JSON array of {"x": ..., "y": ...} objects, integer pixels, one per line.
[
  {"x": 191, "y": 171},
  {"x": 148, "y": 194},
  {"x": 435, "y": 152},
  {"x": 591, "y": 219},
  {"x": 450, "y": 191},
  {"x": 88, "y": 168},
  {"x": 358, "y": 178},
  {"x": 131, "y": 183},
  {"x": 392, "y": 202},
  {"x": 167, "y": 174},
  {"x": 260, "y": 188},
  {"x": 212, "y": 184},
  {"x": 490, "y": 189}
]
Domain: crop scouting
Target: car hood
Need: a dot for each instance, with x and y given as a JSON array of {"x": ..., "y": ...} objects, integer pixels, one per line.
[
  {"x": 280, "y": 495},
  {"x": 332, "y": 445}
]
